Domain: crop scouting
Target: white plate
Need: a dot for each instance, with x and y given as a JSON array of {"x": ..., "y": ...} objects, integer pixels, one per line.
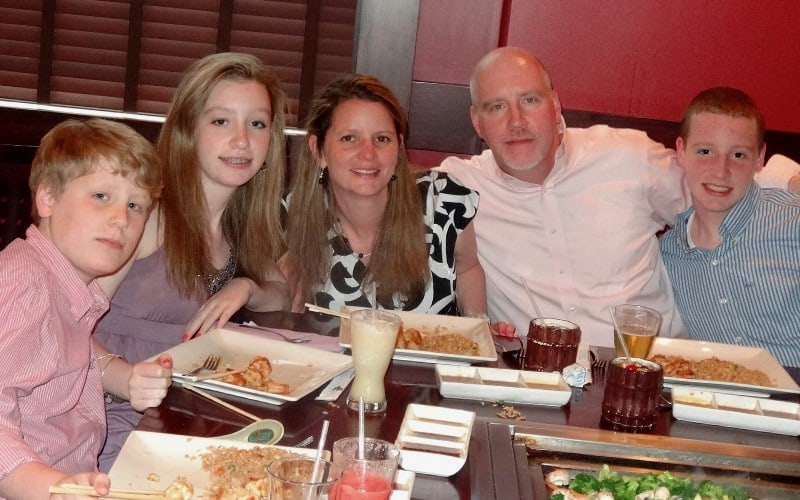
[
  {"x": 473, "y": 328},
  {"x": 748, "y": 357},
  {"x": 173, "y": 455},
  {"x": 303, "y": 368},
  {"x": 434, "y": 440},
  {"x": 740, "y": 412},
  {"x": 170, "y": 456},
  {"x": 513, "y": 386}
]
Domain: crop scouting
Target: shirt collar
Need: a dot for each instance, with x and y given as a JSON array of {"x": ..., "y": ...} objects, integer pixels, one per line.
[
  {"x": 560, "y": 160},
  {"x": 82, "y": 299},
  {"x": 733, "y": 223},
  {"x": 736, "y": 220}
]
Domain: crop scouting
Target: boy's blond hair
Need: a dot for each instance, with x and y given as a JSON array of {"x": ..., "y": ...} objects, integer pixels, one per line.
[{"x": 75, "y": 148}]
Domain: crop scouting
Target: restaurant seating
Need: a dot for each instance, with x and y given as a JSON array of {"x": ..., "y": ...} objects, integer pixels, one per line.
[{"x": 15, "y": 199}]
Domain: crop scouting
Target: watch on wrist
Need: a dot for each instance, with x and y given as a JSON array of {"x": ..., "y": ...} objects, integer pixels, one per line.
[{"x": 111, "y": 398}]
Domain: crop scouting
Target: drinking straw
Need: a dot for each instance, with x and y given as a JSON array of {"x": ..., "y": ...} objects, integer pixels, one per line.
[
  {"x": 361, "y": 428},
  {"x": 619, "y": 336},
  {"x": 530, "y": 297},
  {"x": 323, "y": 436}
]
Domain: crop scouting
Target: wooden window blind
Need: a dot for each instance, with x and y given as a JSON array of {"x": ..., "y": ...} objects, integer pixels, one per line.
[{"x": 128, "y": 55}]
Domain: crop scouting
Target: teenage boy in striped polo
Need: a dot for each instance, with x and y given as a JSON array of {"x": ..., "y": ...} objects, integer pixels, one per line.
[{"x": 734, "y": 256}]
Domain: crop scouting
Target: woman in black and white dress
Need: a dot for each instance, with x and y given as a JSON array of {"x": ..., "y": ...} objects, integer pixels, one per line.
[{"x": 361, "y": 226}]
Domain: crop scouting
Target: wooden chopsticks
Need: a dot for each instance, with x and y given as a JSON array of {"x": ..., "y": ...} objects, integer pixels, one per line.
[
  {"x": 113, "y": 493},
  {"x": 325, "y": 310},
  {"x": 212, "y": 376},
  {"x": 220, "y": 402}
]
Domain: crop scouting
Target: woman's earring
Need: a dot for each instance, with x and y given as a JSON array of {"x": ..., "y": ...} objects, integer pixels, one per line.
[
  {"x": 263, "y": 166},
  {"x": 393, "y": 178},
  {"x": 323, "y": 175}
]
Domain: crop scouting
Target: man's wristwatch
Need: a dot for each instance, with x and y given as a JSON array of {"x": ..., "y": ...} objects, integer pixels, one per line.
[{"x": 111, "y": 398}]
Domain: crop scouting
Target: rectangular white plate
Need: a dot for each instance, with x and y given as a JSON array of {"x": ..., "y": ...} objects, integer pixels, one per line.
[
  {"x": 740, "y": 412},
  {"x": 173, "y": 455},
  {"x": 434, "y": 440},
  {"x": 748, "y": 357},
  {"x": 170, "y": 456},
  {"x": 303, "y": 368},
  {"x": 492, "y": 384},
  {"x": 473, "y": 328}
]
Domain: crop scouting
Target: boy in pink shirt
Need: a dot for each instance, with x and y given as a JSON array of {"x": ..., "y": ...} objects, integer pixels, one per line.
[{"x": 94, "y": 183}]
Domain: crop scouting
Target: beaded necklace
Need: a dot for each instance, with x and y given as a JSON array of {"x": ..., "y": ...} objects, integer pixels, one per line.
[{"x": 218, "y": 279}]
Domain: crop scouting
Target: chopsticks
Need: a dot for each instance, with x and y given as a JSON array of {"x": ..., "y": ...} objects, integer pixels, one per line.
[
  {"x": 220, "y": 402},
  {"x": 325, "y": 310},
  {"x": 114, "y": 493},
  {"x": 212, "y": 376}
]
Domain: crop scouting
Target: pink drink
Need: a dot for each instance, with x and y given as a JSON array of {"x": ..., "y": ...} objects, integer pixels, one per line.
[{"x": 359, "y": 485}]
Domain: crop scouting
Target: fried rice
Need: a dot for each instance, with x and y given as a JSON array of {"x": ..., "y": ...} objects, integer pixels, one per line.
[{"x": 238, "y": 474}]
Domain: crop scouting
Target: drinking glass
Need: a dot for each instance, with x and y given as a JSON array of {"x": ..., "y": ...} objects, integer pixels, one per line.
[
  {"x": 638, "y": 326},
  {"x": 373, "y": 334},
  {"x": 632, "y": 394},
  {"x": 368, "y": 478},
  {"x": 292, "y": 478},
  {"x": 552, "y": 344}
]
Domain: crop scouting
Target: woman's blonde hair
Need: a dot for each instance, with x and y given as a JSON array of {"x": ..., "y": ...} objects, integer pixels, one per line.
[
  {"x": 75, "y": 148},
  {"x": 251, "y": 221},
  {"x": 399, "y": 260}
]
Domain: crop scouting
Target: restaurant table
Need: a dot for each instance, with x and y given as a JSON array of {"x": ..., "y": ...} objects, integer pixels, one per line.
[{"x": 487, "y": 474}]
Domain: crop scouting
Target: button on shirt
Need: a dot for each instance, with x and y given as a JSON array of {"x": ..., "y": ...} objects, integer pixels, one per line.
[
  {"x": 585, "y": 239},
  {"x": 51, "y": 395},
  {"x": 747, "y": 290}
]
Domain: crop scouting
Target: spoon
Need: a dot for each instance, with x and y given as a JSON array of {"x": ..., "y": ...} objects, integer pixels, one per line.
[
  {"x": 266, "y": 431},
  {"x": 293, "y": 340}
]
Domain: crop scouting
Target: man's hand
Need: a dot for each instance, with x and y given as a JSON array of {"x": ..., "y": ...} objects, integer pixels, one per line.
[
  {"x": 503, "y": 329},
  {"x": 149, "y": 382},
  {"x": 99, "y": 481}
]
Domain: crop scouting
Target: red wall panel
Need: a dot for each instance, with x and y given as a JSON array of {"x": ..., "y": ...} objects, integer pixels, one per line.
[
  {"x": 642, "y": 58},
  {"x": 452, "y": 35}
]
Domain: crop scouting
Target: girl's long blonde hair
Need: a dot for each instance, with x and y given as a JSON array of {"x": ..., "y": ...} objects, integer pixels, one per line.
[
  {"x": 399, "y": 261},
  {"x": 251, "y": 221}
]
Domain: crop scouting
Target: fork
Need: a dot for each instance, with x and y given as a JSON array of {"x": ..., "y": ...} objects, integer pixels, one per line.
[
  {"x": 596, "y": 362},
  {"x": 293, "y": 340},
  {"x": 211, "y": 363}
]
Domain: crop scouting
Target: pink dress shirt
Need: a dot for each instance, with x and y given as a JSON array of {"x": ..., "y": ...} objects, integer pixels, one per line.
[
  {"x": 51, "y": 395},
  {"x": 586, "y": 238}
]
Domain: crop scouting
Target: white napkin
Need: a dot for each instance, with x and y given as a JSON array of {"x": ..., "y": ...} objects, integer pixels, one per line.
[
  {"x": 336, "y": 387},
  {"x": 579, "y": 374}
]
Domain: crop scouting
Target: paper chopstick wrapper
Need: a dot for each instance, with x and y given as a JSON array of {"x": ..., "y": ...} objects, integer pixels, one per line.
[
  {"x": 579, "y": 374},
  {"x": 336, "y": 386},
  {"x": 576, "y": 375}
]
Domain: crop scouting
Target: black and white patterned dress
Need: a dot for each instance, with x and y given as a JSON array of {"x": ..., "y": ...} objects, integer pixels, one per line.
[{"x": 448, "y": 209}]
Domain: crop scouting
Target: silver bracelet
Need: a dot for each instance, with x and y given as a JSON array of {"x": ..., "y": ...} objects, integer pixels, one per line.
[{"x": 112, "y": 357}]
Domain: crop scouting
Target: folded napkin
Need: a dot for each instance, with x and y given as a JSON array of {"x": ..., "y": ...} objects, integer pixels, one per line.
[
  {"x": 579, "y": 374},
  {"x": 321, "y": 342}
]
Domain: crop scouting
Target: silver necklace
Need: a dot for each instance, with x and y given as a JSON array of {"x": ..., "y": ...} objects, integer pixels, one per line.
[{"x": 337, "y": 228}]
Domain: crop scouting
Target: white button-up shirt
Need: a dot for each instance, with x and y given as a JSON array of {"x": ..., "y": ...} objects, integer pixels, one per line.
[{"x": 585, "y": 239}]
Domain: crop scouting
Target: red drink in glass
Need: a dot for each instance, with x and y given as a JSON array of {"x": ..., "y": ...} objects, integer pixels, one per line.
[{"x": 361, "y": 485}]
